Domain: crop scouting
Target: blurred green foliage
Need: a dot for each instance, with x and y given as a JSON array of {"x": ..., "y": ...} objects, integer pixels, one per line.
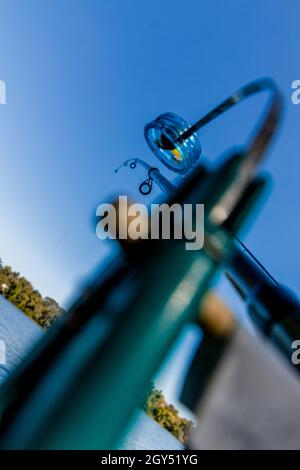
[
  {"x": 21, "y": 293},
  {"x": 166, "y": 415}
]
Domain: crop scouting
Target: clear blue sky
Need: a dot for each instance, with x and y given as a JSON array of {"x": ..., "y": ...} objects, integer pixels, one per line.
[{"x": 83, "y": 77}]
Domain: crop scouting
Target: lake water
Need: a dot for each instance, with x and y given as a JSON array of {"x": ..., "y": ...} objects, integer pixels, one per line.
[{"x": 20, "y": 334}]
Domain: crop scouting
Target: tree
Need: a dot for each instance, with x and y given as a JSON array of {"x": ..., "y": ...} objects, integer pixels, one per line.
[
  {"x": 18, "y": 290},
  {"x": 166, "y": 415}
]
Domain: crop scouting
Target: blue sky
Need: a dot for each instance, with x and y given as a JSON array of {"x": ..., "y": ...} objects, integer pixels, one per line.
[{"x": 83, "y": 78}]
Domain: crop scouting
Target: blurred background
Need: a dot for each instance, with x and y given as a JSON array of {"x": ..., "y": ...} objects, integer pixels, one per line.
[{"x": 83, "y": 78}]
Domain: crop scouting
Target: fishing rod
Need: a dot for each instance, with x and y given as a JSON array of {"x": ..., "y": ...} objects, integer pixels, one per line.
[
  {"x": 176, "y": 144},
  {"x": 272, "y": 307},
  {"x": 106, "y": 349}
]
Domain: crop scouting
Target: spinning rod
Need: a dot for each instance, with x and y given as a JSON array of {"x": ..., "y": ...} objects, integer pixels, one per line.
[
  {"x": 154, "y": 174},
  {"x": 176, "y": 144},
  {"x": 108, "y": 346}
]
